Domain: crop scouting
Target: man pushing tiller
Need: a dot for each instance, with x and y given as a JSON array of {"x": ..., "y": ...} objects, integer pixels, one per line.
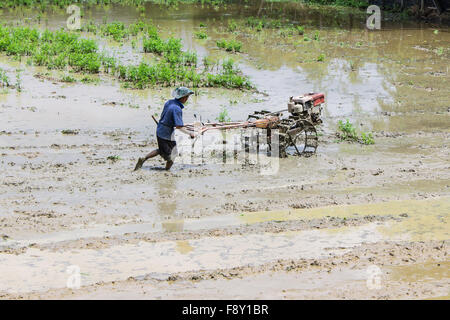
[{"x": 171, "y": 118}]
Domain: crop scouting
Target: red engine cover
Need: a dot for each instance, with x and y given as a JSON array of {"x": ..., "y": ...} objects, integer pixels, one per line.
[{"x": 318, "y": 98}]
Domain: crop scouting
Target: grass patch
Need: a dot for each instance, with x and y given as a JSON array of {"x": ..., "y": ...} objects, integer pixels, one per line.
[
  {"x": 200, "y": 34},
  {"x": 68, "y": 79},
  {"x": 113, "y": 158},
  {"x": 223, "y": 116},
  {"x": 229, "y": 45},
  {"x": 228, "y": 77},
  {"x": 18, "y": 84},
  {"x": 69, "y": 131},
  {"x": 367, "y": 138},
  {"x": 4, "y": 79},
  {"x": 347, "y": 132},
  {"x": 64, "y": 50}
]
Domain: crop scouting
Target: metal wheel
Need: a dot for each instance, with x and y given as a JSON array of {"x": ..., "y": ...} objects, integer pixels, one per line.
[{"x": 302, "y": 139}]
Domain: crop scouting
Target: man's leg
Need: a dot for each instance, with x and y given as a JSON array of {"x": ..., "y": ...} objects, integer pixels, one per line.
[
  {"x": 141, "y": 161},
  {"x": 169, "y": 165},
  {"x": 152, "y": 154}
]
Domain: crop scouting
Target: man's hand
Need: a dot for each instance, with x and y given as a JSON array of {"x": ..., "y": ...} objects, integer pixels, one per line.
[{"x": 192, "y": 135}]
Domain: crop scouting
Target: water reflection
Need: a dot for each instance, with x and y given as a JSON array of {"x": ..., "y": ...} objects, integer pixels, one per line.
[
  {"x": 166, "y": 203},
  {"x": 386, "y": 79}
]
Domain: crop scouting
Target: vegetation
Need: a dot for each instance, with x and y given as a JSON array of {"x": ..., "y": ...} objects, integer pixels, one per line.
[
  {"x": 69, "y": 131},
  {"x": 228, "y": 77},
  {"x": 200, "y": 34},
  {"x": 316, "y": 35},
  {"x": 4, "y": 79},
  {"x": 68, "y": 78},
  {"x": 229, "y": 45},
  {"x": 43, "y": 4},
  {"x": 232, "y": 26},
  {"x": 223, "y": 116},
  {"x": 367, "y": 138},
  {"x": 263, "y": 23},
  {"x": 18, "y": 80},
  {"x": 345, "y": 3},
  {"x": 347, "y": 132},
  {"x": 55, "y": 50},
  {"x": 113, "y": 158},
  {"x": 64, "y": 50}
]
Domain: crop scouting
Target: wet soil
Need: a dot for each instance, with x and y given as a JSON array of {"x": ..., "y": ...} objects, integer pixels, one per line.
[{"x": 64, "y": 202}]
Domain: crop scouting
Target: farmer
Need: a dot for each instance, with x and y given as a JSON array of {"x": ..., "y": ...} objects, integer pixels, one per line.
[{"x": 171, "y": 117}]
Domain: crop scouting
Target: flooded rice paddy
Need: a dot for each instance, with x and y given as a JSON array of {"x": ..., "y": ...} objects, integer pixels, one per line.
[{"x": 72, "y": 199}]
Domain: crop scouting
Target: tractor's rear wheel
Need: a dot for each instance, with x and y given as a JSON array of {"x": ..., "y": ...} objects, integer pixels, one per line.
[{"x": 302, "y": 139}]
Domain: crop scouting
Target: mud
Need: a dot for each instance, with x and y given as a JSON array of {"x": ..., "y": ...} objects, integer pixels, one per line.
[{"x": 61, "y": 197}]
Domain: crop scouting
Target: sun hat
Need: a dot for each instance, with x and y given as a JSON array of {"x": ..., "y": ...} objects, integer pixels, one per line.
[{"x": 181, "y": 92}]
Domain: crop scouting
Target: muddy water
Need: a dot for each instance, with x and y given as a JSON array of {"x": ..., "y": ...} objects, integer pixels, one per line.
[
  {"x": 392, "y": 80},
  {"x": 120, "y": 262},
  {"x": 163, "y": 258},
  {"x": 422, "y": 220},
  {"x": 61, "y": 188}
]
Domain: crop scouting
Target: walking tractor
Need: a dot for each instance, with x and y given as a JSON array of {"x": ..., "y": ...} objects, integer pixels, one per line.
[{"x": 296, "y": 131}]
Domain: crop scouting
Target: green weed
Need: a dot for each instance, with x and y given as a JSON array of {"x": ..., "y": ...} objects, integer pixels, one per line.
[
  {"x": 223, "y": 116},
  {"x": 68, "y": 78},
  {"x": 300, "y": 30},
  {"x": 316, "y": 35},
  {"x": 347, "y": 132},
  {"x": 367, "y": 138},
  {"x": 229, "y": 45},
  {"x": 200, "y": 34},
  {"x": 113, "y": 158},
  {"x": 69, "y": 131},
  {"x": 4, "y": 79},
  {"x": 64, "y": 50},
  {"x": 18, "y": 80},
  {"x": 232, "y": 26}
]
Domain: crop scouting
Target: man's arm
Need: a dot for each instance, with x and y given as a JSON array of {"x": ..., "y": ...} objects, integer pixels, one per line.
[
  {"x": 182, "y": 129},
  {"x": 178, "y": 120}
]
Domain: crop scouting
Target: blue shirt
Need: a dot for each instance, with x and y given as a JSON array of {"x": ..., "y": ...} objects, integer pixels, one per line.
[{"x": 171, "y": 117}]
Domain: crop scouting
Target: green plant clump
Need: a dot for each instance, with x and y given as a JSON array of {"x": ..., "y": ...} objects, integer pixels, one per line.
[
  {"x": 68, "y": 78},
  {"x": 4, "y": 79},
  {"x": 113, "y": 158},
  {"x": 68, "y": 51},
  {"x": 229, "y": 45},
  {"x": 347, "y": 132},
  {"x": 200, "y": 34},
  {"x": 55, "y": 50},
  {"x": 228, "y": 77},
  {"x": 223, "y": 116},
  {"x": 367, "y": 138}
]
